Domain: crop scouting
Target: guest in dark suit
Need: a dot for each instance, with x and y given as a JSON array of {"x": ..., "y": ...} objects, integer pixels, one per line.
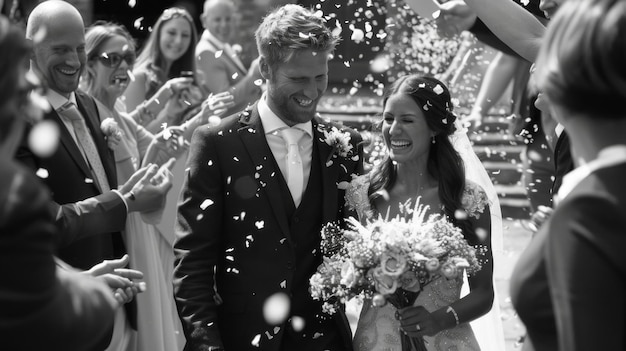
[
  {"x": 569, "y": 286},
  {"x": 41, "y": 305},
  {"x": 82, "y": 167},
  {"x": 252, "y": 208},
  {"x": 221, "y": 68}
]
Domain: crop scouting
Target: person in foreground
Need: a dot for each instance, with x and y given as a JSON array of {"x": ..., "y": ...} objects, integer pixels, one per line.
[
  {"x": 423, "y": 164},
  {"x": 252, "y": 208},
  {"x": 67, "y": 310},
  {"x": 569, "y": 286}
]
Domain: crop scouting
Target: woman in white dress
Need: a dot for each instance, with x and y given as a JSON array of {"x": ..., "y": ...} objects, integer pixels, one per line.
[
  {"x": 110, "y": 56},
  {"x": 424, "y": 161}
]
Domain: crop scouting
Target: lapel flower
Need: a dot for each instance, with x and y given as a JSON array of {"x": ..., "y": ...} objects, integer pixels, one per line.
[
  {"x": 340, "y": 142},
  {"x": 112, "y": 132}
]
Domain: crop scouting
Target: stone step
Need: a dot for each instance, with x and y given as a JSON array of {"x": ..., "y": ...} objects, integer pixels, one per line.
[
  {"x": 495, "y": 138},
  {"x": 499, "y": 153},
  {"x": 513, "y": 201},
  {"x": 505, "y": 173},
  {"x": 493, "y": 123}
]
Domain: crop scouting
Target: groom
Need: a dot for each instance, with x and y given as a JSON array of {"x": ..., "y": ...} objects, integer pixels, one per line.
[{"x": 252, "y": 205}]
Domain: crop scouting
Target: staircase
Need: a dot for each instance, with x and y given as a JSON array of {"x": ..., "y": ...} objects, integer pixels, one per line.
[
  {"x": 496, "y": 148},
  {"x": 501, "y": 154}
]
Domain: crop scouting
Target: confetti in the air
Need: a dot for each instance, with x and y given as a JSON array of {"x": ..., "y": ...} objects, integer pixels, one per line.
[
  {"x": 206, "y": 203},
  {"x": 43, "y": 139},
  {"x": 276, "y": 308},
  {"x": 42, "y": 173}
]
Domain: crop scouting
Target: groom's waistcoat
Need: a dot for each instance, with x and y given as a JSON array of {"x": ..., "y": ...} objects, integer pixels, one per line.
[{"x": 305, "y": 223}]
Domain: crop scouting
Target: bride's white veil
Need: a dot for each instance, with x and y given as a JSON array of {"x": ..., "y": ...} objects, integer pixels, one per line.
[{"x": 487, "y": 329}]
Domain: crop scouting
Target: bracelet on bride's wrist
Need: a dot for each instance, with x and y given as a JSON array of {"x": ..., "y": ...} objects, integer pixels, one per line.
[{"x": 456, "y": 316}]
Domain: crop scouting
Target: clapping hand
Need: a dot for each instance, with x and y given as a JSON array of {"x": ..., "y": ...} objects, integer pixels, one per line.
[
  {"x": 121, "y": 280},
  {"x": 169, "y": 143},
  {"x": 217, "y": 104},
  {"x": 147, "y": 188},
  {"x": 454, "y": 17}
]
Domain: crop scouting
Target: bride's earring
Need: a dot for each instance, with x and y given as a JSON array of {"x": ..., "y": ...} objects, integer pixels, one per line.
[{"x": 433, "y": 139}]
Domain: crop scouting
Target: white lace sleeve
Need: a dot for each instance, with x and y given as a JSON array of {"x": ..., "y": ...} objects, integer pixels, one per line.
[
  {"x": 474, "y": 199},
  {"x": 356, "y": 196}
]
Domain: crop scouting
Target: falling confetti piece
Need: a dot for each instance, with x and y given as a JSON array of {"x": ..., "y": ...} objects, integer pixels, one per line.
[
  {"x": 42, "y": 173},
  {"x": 132, "y": 3},
  {"x": 276, "y": 308},
  {"x": 460, "y": 215},
  {"x": 357, "y": 35},
  {"x": 283, "y": 284},
  {"x": 206, "y": 203},
  {"x": 137, "y": 23},
  {"x": 44, "y": 138},
  {"x": 214, "y": 121},
  {"x": 256, "y": 340},
  {"x": 297, "y": 323},
  {"x": 259, "y": 224},
  {"x": 438, "y": 89}
]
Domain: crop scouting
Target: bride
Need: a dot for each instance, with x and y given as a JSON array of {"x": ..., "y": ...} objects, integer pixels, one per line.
[{"x": 427, "y": 159}]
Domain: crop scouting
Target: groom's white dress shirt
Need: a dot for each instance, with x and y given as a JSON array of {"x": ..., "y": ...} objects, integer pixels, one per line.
[{"x": 273, "y": 126}]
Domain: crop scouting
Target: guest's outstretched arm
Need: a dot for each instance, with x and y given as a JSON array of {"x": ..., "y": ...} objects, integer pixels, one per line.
[{"x": 515, "y": 26}]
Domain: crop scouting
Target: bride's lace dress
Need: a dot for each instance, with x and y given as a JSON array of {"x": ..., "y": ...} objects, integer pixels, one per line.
[{"x": 377, "y": 328}]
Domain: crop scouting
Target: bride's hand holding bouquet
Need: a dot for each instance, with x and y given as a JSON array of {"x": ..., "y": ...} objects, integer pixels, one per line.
[{"x": 390, "y": 261}]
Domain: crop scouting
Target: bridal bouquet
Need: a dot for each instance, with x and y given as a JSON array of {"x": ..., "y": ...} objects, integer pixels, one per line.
[{"x": 389, "y": 260}]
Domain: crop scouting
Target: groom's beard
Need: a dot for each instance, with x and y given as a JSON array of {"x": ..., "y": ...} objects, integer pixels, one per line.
[{"x": 288, "y": 108}]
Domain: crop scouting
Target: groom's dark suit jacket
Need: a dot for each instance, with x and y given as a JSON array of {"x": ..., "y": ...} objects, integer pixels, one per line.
[
  {"x": 70, "y": 180},
  {"x": 240, "y": 239}
]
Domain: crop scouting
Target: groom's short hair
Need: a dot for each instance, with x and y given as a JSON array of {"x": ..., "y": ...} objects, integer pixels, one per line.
[{"x": 292, "y": 28}]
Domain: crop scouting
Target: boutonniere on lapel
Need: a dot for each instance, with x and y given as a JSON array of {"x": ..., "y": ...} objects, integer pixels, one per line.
[
  {"x": 112, "y": 133},
  {"x": 340, "y": 143}
]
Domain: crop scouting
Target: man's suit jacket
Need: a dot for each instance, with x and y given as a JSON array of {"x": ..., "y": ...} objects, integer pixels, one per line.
[
  {"x": 41, "y": 305},
  {"x": 232, "y": 217},
  {"x": 225, "y": 73},
  {"x": 70, "y": 181},
  {"x": 569, "y": 286},
  {"x": 563, "y": 162}
]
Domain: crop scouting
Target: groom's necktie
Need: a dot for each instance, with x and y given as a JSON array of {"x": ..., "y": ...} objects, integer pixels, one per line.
[
  {"x": 295, "y": 173},
  {"x": 86, "y": 143}
]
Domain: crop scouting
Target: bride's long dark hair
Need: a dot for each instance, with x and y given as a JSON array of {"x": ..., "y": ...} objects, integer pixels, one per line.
[{"x": 444, "y": 163}]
